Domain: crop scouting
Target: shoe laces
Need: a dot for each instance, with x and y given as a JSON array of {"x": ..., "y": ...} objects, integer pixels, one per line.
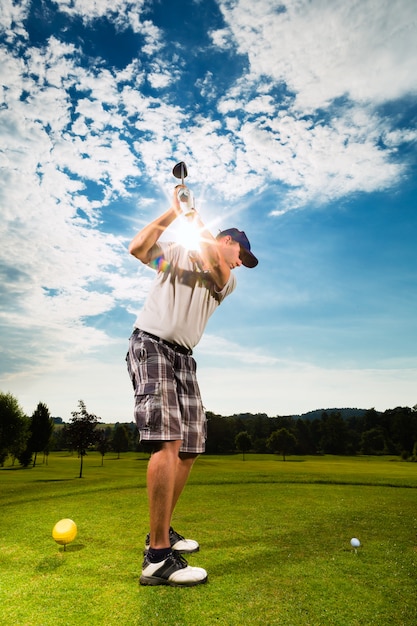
[
  {"x": 179, "y": 559},
  {"x": 174, "y": 535}
]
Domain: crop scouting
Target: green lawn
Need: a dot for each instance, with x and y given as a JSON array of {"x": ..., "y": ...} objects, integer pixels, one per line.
[{"x": 274, "y": 536}]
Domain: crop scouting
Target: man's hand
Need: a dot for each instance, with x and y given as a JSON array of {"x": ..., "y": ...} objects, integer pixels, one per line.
[
  {"x": 186, "y": 201},
  {"x": 175, "y": 202}
]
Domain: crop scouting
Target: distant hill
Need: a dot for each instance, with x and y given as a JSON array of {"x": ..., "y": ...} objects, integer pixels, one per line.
[
  {"x": 345, "y": 413},
  {"x": 311, "y": 415}
]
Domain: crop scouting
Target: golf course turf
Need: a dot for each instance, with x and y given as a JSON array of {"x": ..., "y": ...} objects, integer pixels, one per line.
[{"x": 274, "y": 537}]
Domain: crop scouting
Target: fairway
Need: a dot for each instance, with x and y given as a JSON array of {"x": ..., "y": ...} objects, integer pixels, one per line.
[{"x": 274, "y": 536}]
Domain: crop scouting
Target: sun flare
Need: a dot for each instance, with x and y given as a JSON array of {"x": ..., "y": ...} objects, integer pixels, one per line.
[{"x": 189, "y": 235}]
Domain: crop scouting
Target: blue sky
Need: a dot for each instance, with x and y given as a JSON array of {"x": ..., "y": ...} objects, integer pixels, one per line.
[{"x": 297, "y": 121}]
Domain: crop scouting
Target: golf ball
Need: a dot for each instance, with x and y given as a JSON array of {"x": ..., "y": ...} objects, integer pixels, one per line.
[
  {"x": 64, "y": 531},
  {"x": 355, "y": 543}
]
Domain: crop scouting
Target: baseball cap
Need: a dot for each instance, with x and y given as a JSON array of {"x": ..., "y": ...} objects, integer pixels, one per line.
[{"x": 248, "y": 259}]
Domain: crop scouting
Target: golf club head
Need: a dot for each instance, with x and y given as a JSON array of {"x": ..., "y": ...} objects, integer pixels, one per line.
[{"x": 180, "y": 171}]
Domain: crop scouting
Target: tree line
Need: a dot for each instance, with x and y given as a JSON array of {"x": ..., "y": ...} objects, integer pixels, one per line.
[
  {"x": 369, "y": 432},
  {"x": 22, "y": 437}
]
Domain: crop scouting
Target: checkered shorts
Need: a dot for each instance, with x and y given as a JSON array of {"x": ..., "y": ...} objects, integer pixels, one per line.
[{"x": 168, "y": 404}]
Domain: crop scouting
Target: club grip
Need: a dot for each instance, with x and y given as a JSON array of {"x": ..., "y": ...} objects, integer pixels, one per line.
[{"x": 186, "y": 200}]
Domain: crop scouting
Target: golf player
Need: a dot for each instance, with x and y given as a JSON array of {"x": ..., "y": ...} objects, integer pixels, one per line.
[{"x": 169, "y": 414}]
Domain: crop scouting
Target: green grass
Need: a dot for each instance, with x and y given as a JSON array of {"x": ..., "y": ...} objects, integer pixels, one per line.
[{"x": 275, "y": 539}]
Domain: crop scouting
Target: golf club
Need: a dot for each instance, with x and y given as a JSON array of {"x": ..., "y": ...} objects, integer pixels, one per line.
[
  {"x": 185, "y": 197},
  {"x": 180, "y": 171}
]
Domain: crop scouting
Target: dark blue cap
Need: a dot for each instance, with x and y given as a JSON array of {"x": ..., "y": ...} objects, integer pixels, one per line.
[{"x": 247, "y": 258}]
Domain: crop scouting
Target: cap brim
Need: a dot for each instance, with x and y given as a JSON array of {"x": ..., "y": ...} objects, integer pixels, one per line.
[{"x": 248, "y": 259}]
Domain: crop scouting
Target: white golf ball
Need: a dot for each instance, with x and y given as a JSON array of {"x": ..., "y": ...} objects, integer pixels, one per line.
[{"x": 355, "y": 543}]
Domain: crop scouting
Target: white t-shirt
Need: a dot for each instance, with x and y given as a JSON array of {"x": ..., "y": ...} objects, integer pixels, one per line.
[{"x": 182, "y": 297}]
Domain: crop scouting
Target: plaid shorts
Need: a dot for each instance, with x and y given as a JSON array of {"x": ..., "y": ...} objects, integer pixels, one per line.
[{"x": 168, "y": 404}]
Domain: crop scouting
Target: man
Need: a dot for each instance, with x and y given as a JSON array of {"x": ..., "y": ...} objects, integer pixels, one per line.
[{"x": 188, "y": 287}]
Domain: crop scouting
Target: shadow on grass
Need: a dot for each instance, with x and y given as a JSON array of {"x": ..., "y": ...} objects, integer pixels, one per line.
[
  {"x": 281, "y": 460},
  {"x": 49, "y": 564},
  {"x": 52, "y": 563},
  {"x": 55, "y": 480},
  {"x": 74, "y": 547}
]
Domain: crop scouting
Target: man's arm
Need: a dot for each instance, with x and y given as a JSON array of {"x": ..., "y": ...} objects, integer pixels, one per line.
[
  {"x": 142, "y": 243},
  {"x": 212, "y": 257}
]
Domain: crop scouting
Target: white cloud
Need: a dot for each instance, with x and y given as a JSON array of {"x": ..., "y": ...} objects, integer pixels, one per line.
[
  {"x": 207, "y": 85},
  {"x": 395, "y": 138},
  {"x": 12, "y": 16},
  {"x": 91, "y": 9},
  {"x": 320, "y": 52},
  {"x": 221, "y": 38},
  {"x": 330, "y": 48},
  {"x": 62, "y": 259},
  {"x": 317, "y": 162},
  {"x": 123, "y": 13},
  {"x": 160, "y": 78}
]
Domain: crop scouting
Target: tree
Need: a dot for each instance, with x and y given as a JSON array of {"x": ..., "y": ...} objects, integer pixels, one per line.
[
  {"x": 243, "y": 442},
  {"x": 14, "y": 427},
  {"x": 59, "y": 439},
  {"x": 303, "y": 434},
  {"x": 41, "y": 427},
  {"x": 82, "y": 431},
  {"x": 371, "y": 420},
  {"x": 334, "y": 433},
  {"x": 25, "y": 457},
  {"x": 103, "y": 442},
  {"x": 121, "y": 439},
  {"x": 403, "y": 428},
  {"x": 282, "y": 440},
  {"x": 221, "y": 432}
]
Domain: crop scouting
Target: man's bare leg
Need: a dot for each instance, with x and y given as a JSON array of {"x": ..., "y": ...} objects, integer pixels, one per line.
[
  {"x": 161, "y": 478},
  {"x": 168, "y": 472},
  {"x": 167, "y": 475},
  {"x": 184, "y": 466}
]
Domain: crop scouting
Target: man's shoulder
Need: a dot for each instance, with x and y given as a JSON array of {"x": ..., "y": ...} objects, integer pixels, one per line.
[
  {"x": 168, "y": 251},
  {"x": 172, "y": 249}
]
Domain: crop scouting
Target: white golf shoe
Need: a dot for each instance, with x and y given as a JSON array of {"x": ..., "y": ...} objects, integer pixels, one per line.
[{"x": 173, "y": 571}]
